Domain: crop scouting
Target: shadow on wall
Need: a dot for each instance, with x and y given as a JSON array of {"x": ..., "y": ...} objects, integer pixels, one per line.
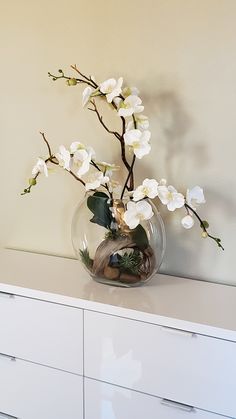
[
  {"x": 178, "y": 150},
  {"x": 173, "y": 132}
]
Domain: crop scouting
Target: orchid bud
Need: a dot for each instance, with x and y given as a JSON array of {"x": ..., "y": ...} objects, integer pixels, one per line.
[
  {"x": 72, "y": 82},
  {"x": 32, "y": 181}
]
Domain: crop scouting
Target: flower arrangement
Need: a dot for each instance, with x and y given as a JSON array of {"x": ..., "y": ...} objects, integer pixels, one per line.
[{"x": 106, "y": 193}]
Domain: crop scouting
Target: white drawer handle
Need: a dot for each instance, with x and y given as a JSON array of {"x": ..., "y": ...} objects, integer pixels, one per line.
[
  {"x": 6, "y": 295},
  {"x": 178, "y": 332},
  {"x": 10, "y": 358},
  {"x": 176, "y": 405},
  {"x": 5, "y": 416}
]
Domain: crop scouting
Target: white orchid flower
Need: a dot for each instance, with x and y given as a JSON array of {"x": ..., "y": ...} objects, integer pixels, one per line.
[
  {"x": 115, "y": 188},
  {"x": 82, "y": 159},
  {"x": 86, "y": 95},
  {"x": 170, "y": 197},
  {"x": 163, "y": 182},
  {"x": 107, "y": 168},
  {"x": 187, "y": 222},
  {"x": 138, "y": 141},
  {"x": 142, "y": 123},
  {"x": 77, "y": 145},
  {"x": 64, "y": 158},
  {"x": 127, "y": 91},
  {"x": 40, "y": 167},
  {"x": 137, "y": 212},
  {"x": 111, "y": 88},
  {"x": 129, "y": 106},
  {"x": 95, "y": 180},
  {"x": 148, "y": 188},
  {"x": 195, "y": 196}
]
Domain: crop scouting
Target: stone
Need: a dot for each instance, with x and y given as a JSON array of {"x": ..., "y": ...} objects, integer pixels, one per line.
[
  {"x": 129, "y": 279},
  {"x": 111, "y": 273}
]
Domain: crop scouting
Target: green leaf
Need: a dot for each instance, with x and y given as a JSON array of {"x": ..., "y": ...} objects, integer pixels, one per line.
[
  {"x": 98, "y": 205},
  {"x": 85, "y": 258},
  {"x": 140, "y": 237}
]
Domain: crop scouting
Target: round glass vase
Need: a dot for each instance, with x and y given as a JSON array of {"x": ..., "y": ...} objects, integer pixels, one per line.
[{"x": 111, "y": 252}]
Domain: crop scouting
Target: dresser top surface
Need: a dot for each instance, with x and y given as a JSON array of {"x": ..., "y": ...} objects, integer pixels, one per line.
[{"x": 64, "y": 281}]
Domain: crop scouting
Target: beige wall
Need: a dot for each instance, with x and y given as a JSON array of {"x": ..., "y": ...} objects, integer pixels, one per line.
[{"x": 182, "y": 56}]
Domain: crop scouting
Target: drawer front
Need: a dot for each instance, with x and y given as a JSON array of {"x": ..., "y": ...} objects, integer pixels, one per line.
[
  {"x": 176, "y": 365},
  {"x": 30, "y": 391},
  {"x": 46, "y": 333},
  {"x": 106, "y": 401}
]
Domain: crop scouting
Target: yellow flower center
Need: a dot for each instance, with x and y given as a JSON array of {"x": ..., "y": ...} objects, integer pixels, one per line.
[
  {"x": 140, "y": 216},
  {"x": 136, "y": 144}
]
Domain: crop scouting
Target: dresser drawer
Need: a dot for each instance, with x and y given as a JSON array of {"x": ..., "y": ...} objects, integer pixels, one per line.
[
  {"x": 30, "y": 391},
  {"x": 106, "y": 401},
  {"x": 46, "y": 333},
  {"x": 191, "y": 369}
]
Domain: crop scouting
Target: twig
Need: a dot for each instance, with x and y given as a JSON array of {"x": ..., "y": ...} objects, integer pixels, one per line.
[
  {"x": 95, "y": 109},
  {"x": 74, "y": 67},
  {"x": 128, "y": 177},
  {"x": 76, "y": 177},
  {"x": 47, "y": 143},
  {"x": 216, "y": 239}
]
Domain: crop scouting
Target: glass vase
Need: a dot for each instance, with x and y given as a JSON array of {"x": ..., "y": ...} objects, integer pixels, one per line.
[{"x": 109, "y": 250}]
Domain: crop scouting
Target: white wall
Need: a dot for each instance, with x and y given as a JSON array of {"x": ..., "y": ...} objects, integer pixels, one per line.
[{"x": 182, "y": 56}]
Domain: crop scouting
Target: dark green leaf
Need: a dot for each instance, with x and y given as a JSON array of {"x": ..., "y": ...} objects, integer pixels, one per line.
[
  {"x": 98, "y": 205},
  {"x": 140, "y": 237}
]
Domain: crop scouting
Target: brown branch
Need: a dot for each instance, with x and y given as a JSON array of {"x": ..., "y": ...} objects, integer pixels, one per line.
[
  {"x": 95, "y": 109},
  {"x": 128, "y": 177},
  {"x": 202, "y": 225},
  {"x": 88, "y": 79},
  {"x": 76, "y": 177},
  {"x": 47, "y": 143},
  {"x": 123, "y": 153}
]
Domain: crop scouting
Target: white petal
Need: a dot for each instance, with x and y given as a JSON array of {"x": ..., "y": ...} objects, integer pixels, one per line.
[
  {"x": 172, "y": 189},
  {"x": 80, "y": 156},
  {"x": 187, "y": 222},
  {"x": 146, "y": 135},
  {"x": 86, "y": 95},
  {"x": 40, "y": 167},
  {"x": 127, "y": 91},
  {"x": 138, "y": 109},
  {"x": 130, "y": 125},
  {"x": 84, "y": 168},
  {"x": 163, "y": 194},
  {"x": 119, "y": 83},
  {"x": 171, "y": 205},
  {"x": 179, "y": 200},
  {"x": 163, "y": 182},
  {"x": 142, "y": 122},
  {"x": 131, "y": 206},
  {"x": 196, "y": 194},
  {"x": 131, "y": 136},
  {"x": 132, "y": 220},
  {"x": 144, "y": 208},
  {"x": 142, "y": 150},
  {"x": 133, "y": 101},
  {"x": 76, "y": 145},
  {"x": 125, "y": 112},
  {"x": 138, "y": 193},
  {"x": 152, "y": 186},
  {"x": 107, "y": 86}
]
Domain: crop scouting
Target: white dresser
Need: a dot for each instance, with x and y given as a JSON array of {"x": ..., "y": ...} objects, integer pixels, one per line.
[{"x": 74, "y": 349}]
